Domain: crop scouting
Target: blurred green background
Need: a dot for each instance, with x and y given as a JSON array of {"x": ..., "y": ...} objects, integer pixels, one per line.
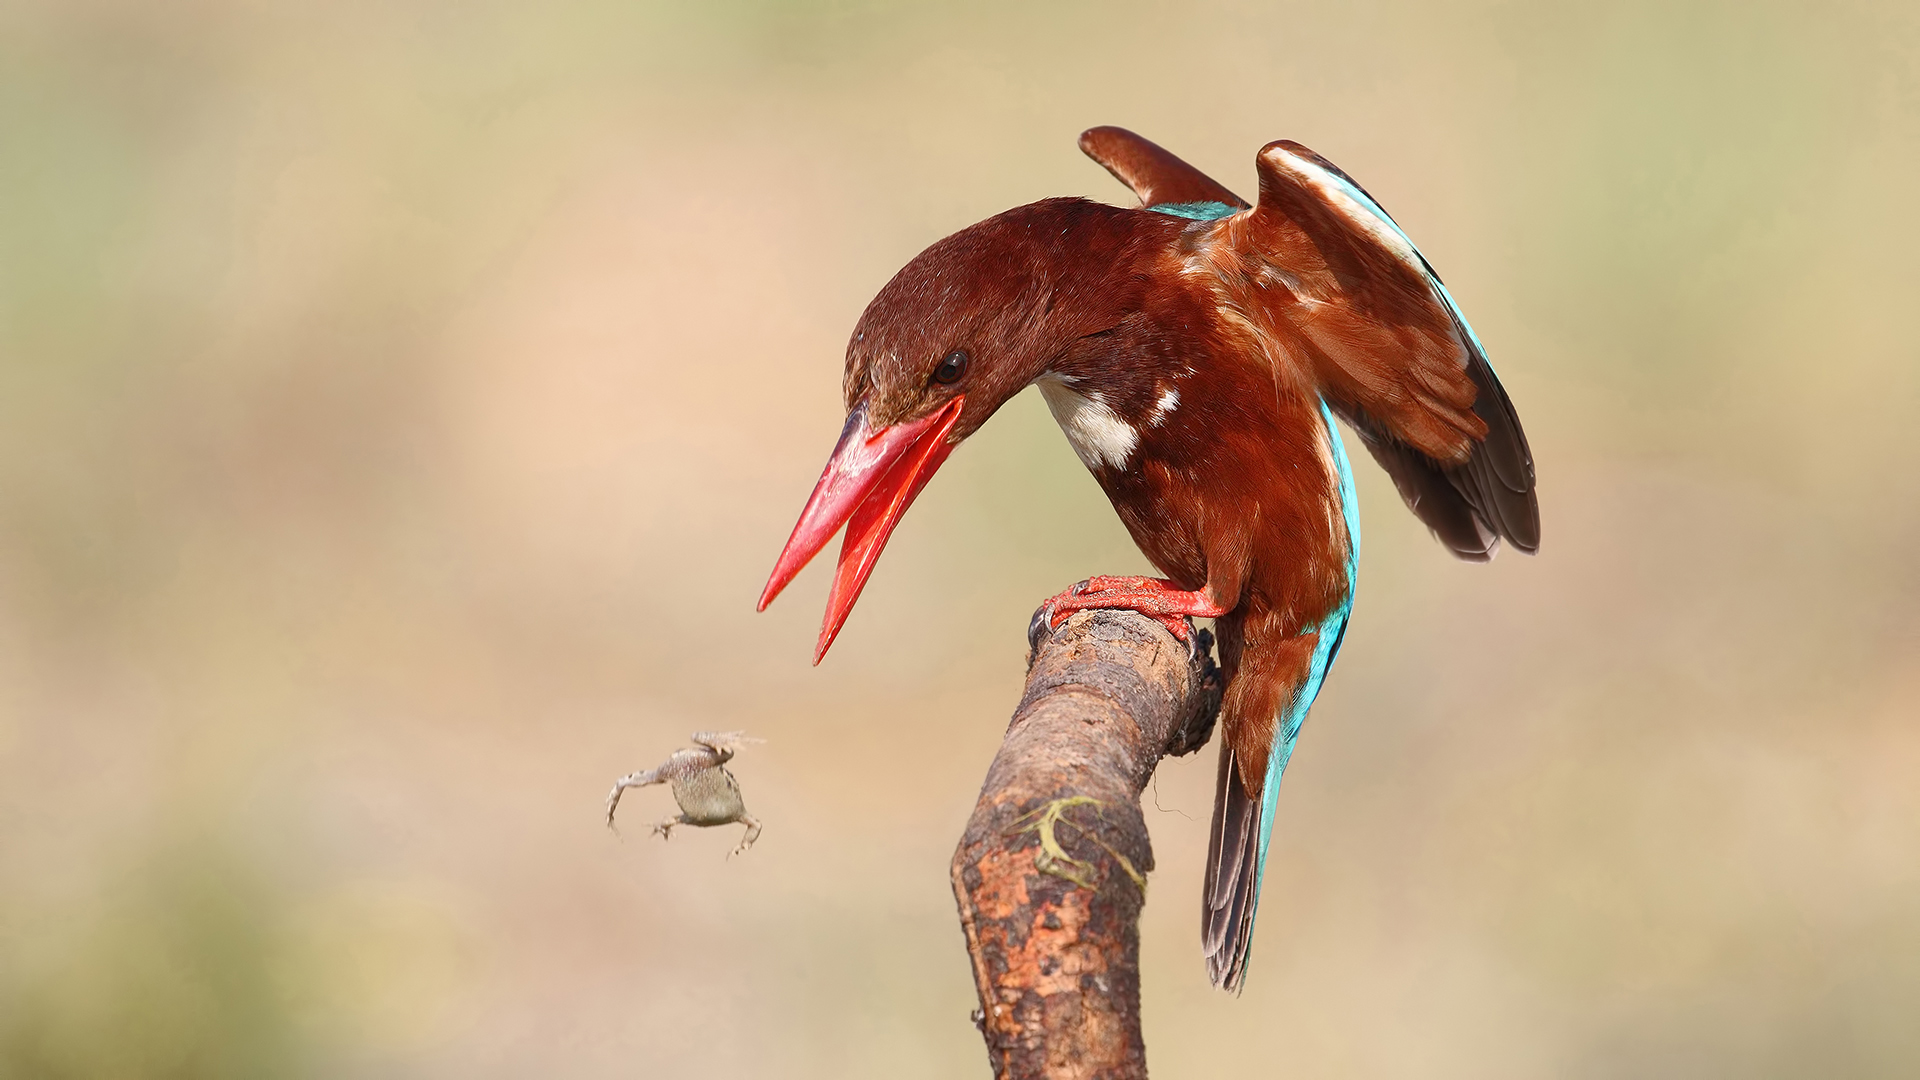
[{"x": 402, "y": 403}]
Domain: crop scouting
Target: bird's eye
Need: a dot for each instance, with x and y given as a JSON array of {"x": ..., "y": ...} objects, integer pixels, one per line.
[{"x": 952, "y": 368}]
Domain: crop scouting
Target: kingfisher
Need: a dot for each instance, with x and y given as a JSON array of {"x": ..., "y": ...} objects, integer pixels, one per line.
[{"x": 1195, "y": 351}]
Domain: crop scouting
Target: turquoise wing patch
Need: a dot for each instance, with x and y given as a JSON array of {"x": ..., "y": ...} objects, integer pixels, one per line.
[{"x": 1196, "y": 211}]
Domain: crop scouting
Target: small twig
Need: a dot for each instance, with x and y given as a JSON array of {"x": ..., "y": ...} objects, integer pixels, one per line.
[{"x": 1162, "y": 809}]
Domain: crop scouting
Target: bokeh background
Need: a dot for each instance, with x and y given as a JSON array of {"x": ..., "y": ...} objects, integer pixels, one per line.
[{"x": 402, "y": 403}]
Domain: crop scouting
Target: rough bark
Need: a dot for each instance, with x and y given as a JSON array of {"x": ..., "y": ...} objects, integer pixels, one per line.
[{"x": 1051, "y": 873}]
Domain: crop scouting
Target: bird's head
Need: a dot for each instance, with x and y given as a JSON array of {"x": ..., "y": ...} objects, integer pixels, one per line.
[{"x": 958, "y": 331}]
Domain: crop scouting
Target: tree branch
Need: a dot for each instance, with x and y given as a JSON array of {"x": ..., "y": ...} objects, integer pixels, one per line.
[{"x": 1051, "y": 873}]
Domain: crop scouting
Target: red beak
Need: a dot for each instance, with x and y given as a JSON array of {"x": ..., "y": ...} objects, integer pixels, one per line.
[{"x": 868, "y": 484}]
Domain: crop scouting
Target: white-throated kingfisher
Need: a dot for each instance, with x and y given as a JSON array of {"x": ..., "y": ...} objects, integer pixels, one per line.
[{"x": 1195, "y": 350}]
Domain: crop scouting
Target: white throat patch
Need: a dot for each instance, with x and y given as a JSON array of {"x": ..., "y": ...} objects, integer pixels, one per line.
[{"x": 1097, "y": 433}]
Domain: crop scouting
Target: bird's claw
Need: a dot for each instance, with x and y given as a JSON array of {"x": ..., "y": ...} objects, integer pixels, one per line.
[
  {"x": 1128, "y": 597},
  {"x": 1039, "y": 628},
  {"x": 1199, "y": 643},
  {"x": 1048, "y": 616}
]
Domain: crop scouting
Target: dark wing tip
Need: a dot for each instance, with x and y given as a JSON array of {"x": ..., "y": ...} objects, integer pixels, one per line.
[
  {"x": 1499, "y": 477},
  {"x": 1470, "y": 507}
]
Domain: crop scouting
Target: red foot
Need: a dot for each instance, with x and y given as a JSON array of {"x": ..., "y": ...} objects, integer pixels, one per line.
[{"x": 1149, "y": 596}]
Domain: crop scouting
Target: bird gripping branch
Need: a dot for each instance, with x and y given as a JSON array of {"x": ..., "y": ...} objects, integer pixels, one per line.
[{"x": 1195, "y": 350}]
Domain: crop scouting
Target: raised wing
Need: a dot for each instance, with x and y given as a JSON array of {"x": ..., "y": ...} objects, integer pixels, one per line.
[
  {"x": 1391, "y": 351},
  {"x": 1160, "y": 179}
]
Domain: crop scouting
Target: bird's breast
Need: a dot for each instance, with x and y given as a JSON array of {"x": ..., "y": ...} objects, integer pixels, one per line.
[{"x": 1222, "y": 476}]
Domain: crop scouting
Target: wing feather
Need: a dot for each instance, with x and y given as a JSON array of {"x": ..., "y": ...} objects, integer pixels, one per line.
[
  {"x": 1155, "y": 175},
  {"x": 1394, "y": 355}
]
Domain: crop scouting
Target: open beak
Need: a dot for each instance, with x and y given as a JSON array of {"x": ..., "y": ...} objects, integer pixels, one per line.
[{"x": 868, "y": 484}]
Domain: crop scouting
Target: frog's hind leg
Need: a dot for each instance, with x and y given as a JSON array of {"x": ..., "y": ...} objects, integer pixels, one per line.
[{"x": 753, "y": 833}]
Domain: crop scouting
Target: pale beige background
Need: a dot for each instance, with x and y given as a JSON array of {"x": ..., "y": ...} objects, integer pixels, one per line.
[{"x": 402, "y": 403}]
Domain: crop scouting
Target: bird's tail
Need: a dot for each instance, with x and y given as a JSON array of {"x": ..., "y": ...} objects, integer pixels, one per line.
[
  {"x": 1233, "y": 877},
  {"x": 1273, "y": 677}
]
